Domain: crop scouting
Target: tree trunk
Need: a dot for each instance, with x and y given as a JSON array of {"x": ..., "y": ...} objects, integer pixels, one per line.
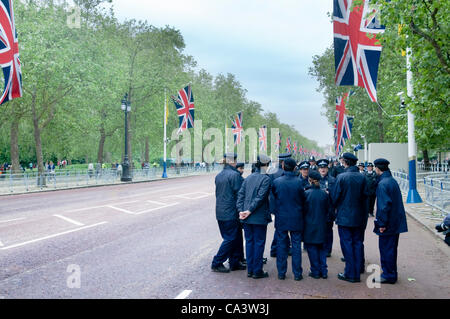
[
  {"x": 38, "y": 142},
  {"x": 15, "y": 169},
  {"x": 426, "y": 159},
  {"x": 147, "y": 150},
  {"x": 101, "y": 146}
]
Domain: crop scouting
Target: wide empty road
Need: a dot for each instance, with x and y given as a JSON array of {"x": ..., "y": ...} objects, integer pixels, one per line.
[{"x": 157, "y": 240}]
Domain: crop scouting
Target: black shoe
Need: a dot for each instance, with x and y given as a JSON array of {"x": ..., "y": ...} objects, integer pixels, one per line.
[
  {"x": 261, "y": 275},
  {"x": 341, "y": 276},
  {"x": 362, "y": 271},
  {"x": 314, "y": 276},
  {"x": 273, "y": 255},
  {"x": 264, "y": 260},
  {"x": 343, "y": 259},
  {"x": 282, "y": 277},
  {"x": 298, "y": 278},
  {"x": 238, "y": 267},
  {"x": 328, "y": 255},
  {"x": 324, "y": 276},
  {"x": 244, "y": 261},
  {"x": 382, "y": 280},
  {"x": 220, "y": 268},
  {"x": 250, "y": 274}
]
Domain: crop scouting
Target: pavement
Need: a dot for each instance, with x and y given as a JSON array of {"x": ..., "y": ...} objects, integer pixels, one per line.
[{"x": 156, "y": 240}]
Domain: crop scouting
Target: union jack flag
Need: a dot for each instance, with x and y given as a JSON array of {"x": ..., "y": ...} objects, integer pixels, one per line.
[
  {"x": 238, "y": 128},
  {"x": 185, "y": 108},
  {"x": 295, "y": 148},
  {"x": 263, "y": 138},
  {"x": 288, "y": 145},
  {"x": 343, "y": 124},
  {"x": 9, "y": 53},
  {"x": 356, "y": 49}
]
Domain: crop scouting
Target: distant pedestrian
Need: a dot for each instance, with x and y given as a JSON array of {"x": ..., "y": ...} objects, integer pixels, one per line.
[
  {"x": 317, "y": 213},
  {"x": 253, "y": 207},
  {"x": 390, "y": 220},
  {"x": 371, "y": 177}
]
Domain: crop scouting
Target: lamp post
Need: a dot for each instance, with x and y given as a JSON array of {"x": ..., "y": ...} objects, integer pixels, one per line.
[{"x": 126, "y": 107}]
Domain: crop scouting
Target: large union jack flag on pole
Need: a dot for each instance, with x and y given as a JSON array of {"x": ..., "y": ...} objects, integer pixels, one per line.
[
  {"x": 9, "y": 53},
  {"x": 288, "y": 145},
  {"x": 185, "y": 108},
  {"x": 263, "y": 138},
  {"x": 356, "y": 49},
  {"x": 237, "y": 128},
  {"x": 343, "y": 124}
]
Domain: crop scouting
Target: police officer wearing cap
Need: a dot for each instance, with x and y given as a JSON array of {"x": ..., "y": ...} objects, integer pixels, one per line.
[
  {"x": 390, "y": 220},
  {"x": 327, "y": 183},
  {"x": 350, "y": 199},
  {"x": 274, "y": 174},
  {"x": 254, "y": 212},
  {"x": 361, "y": 168},
  {"x": 312, "y": 163},
  {"x": 290, "y": 200},
  {"x": 338, "y": 168},
  {"x": 228, "y": 183},
  {"x": 304, "y": 171},
  {"x": 371, "y": 178}
]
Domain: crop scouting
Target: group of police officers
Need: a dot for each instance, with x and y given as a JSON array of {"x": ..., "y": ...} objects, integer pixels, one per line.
[{"x": 307, "y": 199}]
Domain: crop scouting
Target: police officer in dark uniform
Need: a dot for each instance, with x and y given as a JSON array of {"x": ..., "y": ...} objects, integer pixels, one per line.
[
  {"x": 273, "y": 176},
  {"x": 390, "y": 220},
  {"x": 371, "y": 177},
  {"x": 304, "y": 171},
  {"x": 254, "y": 212},
  {"x": 350, "y": 199},
  {"x": 312, "y": 163},
  {"x": 290, "y": 200},
  {"x": 228, "y": 183},
  {"x": 240, "y": 168},
  {"x": 339, "y": 168},
  {"x": 327, "y": 183},
  {"x": 361, "y": 168}
]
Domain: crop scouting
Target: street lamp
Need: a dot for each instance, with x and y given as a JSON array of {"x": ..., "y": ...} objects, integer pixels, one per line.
[{"x": 126, "y": 107}]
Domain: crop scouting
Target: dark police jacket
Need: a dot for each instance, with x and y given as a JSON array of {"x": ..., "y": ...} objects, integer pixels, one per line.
[
  {"x": 273, "y": 176},
  {"x": 339, "y": 169},
  {"x": 350, "y": 198},
  {"x": 254, "y": 196},
  {"x": 331, "y": 185},
  {"x": 228, "y": 182},
  {"x": 390, "y": 211},
  {"x": 289, "y": 198},
  {"x": 371, "y": 182},
  {"x": 316, "y": 215},
  {"x": 304, "y": 181}
]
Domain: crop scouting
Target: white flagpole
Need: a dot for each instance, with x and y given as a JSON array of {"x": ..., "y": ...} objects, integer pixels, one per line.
[{"x": 165, "y": 136}]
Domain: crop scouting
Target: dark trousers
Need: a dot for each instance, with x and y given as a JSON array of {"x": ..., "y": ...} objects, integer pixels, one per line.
[
  {"x": 317, "y": 254},
  {"x": 329, "y": 238},
  {"x": 282, "y": 252},
  {"x": 351, "y": 239},
  {"x": 229, "y": 249},
  {"x": 388, "y": 254},
  {"x": 371, "y": 203},
  {"x": 255, "y": 240},
  {"x": 273, "y": 247}
]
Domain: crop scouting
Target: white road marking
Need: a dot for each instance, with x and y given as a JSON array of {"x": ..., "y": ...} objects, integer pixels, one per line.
[
  {"x": 69, "y": 220},
  {"x": 155, "y": 202},
  {"x": 52, "y": 236},
  {"x": 1, "y": 244},
  {"x": 153, "y": 209},
  {"x": 11, "y": 220},
  {"x": 103, "y": 206},
  {"x": 189, "y": 195},
  {"x": 183, "y": 294},
  {"x": 120, "y": 209}
]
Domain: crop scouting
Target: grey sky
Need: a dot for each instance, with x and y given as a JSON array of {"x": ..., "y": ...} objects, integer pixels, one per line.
[{"x": 267, "y": 44}]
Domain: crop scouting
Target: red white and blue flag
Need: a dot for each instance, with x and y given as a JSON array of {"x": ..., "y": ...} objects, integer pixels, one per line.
[
  {"x": 343, "y": 124},
  {"x": 185, "y": 108},
  {"x": 295, "y": 148},
  {"x": 237, "y": 128},
  {"x": 288, "y": 145},
  {"x": 356, "y": 49},
  {"x": 263, "y": 138},
  {"x": 278, "y": 143},
  {"x": 9, "y": 53}
]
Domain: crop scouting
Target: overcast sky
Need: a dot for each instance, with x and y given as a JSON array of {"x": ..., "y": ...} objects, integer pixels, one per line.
[{"x": 267, "y": 44}]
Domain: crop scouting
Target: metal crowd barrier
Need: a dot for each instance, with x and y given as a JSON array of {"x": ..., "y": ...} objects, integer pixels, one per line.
[
  {"x": 443, "y": 167},
  {"x": 61, "y": 179},
  {"x": 436, "y": 186}
]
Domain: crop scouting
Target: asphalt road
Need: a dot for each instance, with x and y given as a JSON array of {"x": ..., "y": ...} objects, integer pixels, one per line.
[{"x": 157, "y": 240}]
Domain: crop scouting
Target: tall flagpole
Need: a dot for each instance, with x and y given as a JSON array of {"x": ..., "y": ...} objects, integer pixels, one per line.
[
  {"x": 164, "y": 175},
  {"x": 413, "y": 195}
]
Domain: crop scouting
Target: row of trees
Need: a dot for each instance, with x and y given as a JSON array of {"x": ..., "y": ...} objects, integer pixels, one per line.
[
  {"x": 74, "y": 79},
  {"x": 421, "y": 25}
]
